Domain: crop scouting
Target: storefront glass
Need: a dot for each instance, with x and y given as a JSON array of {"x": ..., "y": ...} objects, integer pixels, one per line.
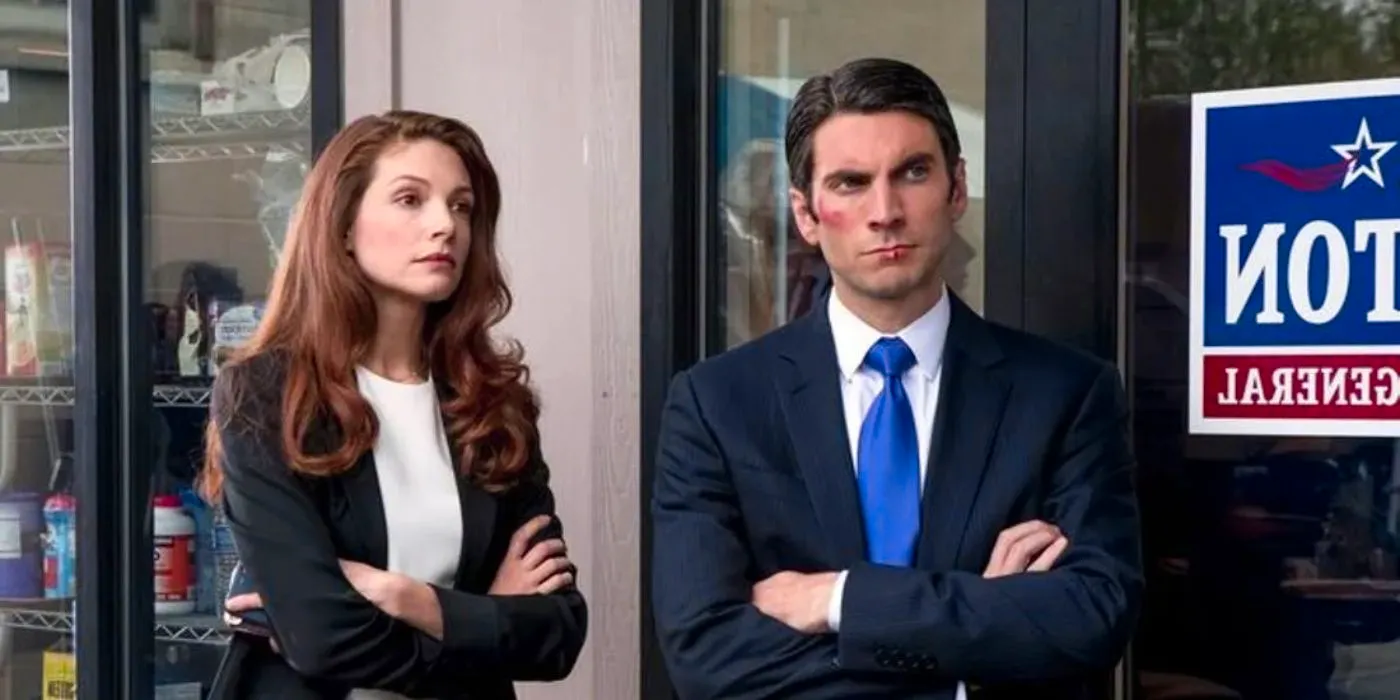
[
  {"x": 1271, "y": 562},
  {"x": 38, "y": 558},
  {"x": 767, "y": 49},
  {"x": 230, "y": 130}
]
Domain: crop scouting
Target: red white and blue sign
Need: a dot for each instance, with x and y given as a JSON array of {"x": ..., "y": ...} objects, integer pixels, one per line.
[{"x": 1295, "y": 228}]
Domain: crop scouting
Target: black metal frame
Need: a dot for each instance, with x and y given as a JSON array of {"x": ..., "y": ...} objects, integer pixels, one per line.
[
  {"x": 1003, "y": 251},
  {"x": 327, "y": 81},
  {"x": 673, "y": 133},
  {"x": 106, "y": 174},
  {"x": 1071, "y": 228},
  {"x": 1051, "y": 241},
  {"x": 112, "y": 377}
]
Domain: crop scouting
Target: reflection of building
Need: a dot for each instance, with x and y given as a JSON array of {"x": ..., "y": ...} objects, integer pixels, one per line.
[
  {"x": 772, "y": 275},
  {"x": 754, "y": 106},
  {"x": 754, "y": 207}
]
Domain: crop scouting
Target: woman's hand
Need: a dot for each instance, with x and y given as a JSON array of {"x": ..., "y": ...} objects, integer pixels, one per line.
[
  {"x": 239, "y": 604},
  {"x": 541, "y": 569},
  {"x": 401, "y": 597},
  {"x": 385, "y": 589},
  {"x": 243, "y": 603}
]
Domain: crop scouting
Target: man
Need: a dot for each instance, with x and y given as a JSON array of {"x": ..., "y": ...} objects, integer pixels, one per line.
[{"x": 968, "y": 525}]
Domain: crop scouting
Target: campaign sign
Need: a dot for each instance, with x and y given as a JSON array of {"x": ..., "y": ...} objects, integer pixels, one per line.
[{"x": 1295, "y": 216}]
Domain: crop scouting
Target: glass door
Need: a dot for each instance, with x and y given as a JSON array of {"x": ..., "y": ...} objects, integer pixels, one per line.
[
  {"x": 38, "y": 561},
  {"x": 227, "y": 97},
  {"x": 1271, "y": 561},
  {"x": 767, "y": 275},
  {"x": 1033, "y": 89}
]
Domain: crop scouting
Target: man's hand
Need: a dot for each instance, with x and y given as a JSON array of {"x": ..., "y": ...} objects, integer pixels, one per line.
[
  {"x": 1030, "y": 546},
  {"x": 797, "y": 600}
]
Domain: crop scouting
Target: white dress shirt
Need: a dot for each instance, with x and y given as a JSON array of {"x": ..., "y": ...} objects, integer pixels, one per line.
[{"x": 860, "y": 386}]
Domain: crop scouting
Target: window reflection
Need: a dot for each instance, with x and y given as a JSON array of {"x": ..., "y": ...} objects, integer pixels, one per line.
[
  {"x": 768, "y": 274},
  {"x": 1271, "y": 562}
]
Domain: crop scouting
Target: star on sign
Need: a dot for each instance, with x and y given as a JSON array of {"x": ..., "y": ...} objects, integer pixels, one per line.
[{"x": 1352, "y": 152}]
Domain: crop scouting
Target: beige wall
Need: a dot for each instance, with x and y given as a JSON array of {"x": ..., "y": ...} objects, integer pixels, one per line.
[{"x": 554, "y": 90}]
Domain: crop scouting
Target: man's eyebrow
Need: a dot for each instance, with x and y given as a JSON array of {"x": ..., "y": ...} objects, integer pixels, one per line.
[
  {"x": 846, "y": 175},
  {"x": 858, "y": 175},
  {"x": 921, "y": 158}
]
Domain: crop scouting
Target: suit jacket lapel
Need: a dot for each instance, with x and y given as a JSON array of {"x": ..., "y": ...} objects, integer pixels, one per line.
[
  {"x": 478, "y": 525},
  {"x": 367, "y": 511},
  {"x": 478, "y": 513},
  {"x": 971, "y": 400},
  {"x": 810, "y": 394}
]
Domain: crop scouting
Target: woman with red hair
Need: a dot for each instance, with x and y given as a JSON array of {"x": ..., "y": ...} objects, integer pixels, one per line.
[{"x": 376, "y": 450}]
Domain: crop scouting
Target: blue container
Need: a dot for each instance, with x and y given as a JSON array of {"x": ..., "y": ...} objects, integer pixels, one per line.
[{"x": 21, "y": 545}]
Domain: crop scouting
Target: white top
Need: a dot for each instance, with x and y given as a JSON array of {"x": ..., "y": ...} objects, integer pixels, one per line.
[
  {"x": 421, "y": 506},
  {"x": 860, "y": 385}
]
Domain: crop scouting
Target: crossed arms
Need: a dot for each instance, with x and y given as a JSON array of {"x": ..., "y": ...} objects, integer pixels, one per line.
[
  {"x": 899, "y": 626},
  {"x": 330, "y": 625}
]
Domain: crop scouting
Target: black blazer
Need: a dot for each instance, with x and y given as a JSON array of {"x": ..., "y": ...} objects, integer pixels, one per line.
[
  {"x": 754, "y": 476},
  {"x": 291, "y": 530}
]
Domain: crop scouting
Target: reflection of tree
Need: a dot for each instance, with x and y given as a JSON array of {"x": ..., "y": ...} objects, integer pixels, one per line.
[
  {"x": 1221, "y": 529},
  {"x": 1186, "y": 46}
]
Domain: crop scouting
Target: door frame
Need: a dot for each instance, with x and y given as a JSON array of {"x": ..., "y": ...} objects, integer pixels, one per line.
[
  {"x": 1051, "y": 252},
  {"x": 112, "y": 435}
]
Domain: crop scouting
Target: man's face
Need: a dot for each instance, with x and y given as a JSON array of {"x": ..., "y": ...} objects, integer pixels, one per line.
[{"x": 883, "y": 200}]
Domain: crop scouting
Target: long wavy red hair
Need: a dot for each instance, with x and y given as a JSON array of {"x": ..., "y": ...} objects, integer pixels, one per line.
[{"x": 320, "y": 317}]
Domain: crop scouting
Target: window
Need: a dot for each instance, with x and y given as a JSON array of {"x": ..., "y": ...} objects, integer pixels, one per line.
[
  {"x": 767, "y": 275},
  {"x": 230, "y": 127},
  {"x": 1271, "y": 562}
]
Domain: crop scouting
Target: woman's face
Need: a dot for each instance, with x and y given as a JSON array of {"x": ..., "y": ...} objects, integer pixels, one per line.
[{"x": 413, "y": 230}]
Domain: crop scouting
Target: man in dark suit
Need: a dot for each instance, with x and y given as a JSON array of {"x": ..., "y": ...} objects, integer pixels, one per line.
[{"x": 891, "y": 497}]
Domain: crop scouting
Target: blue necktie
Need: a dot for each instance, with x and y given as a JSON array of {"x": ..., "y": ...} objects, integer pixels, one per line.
[{"x": 888, "y": 466}]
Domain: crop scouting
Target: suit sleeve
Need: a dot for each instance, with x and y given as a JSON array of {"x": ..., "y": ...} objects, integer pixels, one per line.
[
  {"x": 1074, "y": 619},
  {"x": 716, "y": 644},
  {"x": 325, "y": 629},
  {"x": 526, "y": 638}
]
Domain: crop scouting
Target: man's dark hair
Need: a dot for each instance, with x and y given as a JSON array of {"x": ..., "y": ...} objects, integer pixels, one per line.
[{"x": 864, "y": 86}]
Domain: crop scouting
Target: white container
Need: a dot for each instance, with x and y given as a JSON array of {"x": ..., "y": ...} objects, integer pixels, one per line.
[{"x": 175, "y": 567}]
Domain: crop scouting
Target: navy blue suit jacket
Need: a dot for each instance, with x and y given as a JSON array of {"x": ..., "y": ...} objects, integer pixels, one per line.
[{"x": 754, "y": 476}]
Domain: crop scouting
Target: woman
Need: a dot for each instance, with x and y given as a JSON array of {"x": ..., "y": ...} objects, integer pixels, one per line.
[{"x": 376, "y": 453}]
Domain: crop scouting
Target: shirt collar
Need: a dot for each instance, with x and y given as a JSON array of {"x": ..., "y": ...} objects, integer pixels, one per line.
[{"x": 854, "y": 337}]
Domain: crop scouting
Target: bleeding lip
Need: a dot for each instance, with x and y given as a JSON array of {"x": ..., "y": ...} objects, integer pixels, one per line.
[
  {"x": 892, "y": 251},
  {"x": 440, "y": 259}
]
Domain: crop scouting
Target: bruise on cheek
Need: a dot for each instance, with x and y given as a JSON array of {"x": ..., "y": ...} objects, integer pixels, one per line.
[{"x": 829, "y": 216}]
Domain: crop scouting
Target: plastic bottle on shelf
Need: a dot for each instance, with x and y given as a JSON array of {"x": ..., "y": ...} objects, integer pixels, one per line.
[
  {"x": 225, "y": 556},
  {"x": 174, "y": 556},
  {"x": 60, "y": 542}
]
